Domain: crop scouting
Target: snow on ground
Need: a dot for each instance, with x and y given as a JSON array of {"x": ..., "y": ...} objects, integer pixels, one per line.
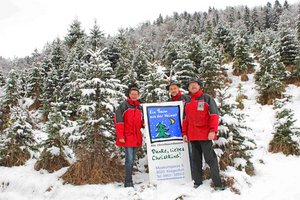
[{"x": 277, "y": 176}]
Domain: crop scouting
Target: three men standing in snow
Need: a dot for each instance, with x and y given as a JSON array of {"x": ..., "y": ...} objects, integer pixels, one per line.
[{"x": 199, "y": 127}]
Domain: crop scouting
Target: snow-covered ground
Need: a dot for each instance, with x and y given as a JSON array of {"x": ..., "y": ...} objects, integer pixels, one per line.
[{"x": 276, "y": 175}]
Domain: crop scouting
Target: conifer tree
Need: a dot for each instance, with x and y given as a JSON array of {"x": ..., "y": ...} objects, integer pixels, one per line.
[
  {"x": 95, "y": 145},
  {"x": 277, "y": 10},
  {"x": 254, "y": 21},
  {"x": 208, "y": 33},
  {"x": 96, "y": 37},
  {"x": 288, "y": 44},
  {"x": 286, "y": 136},
  {"x": 194, "y": 46},
  {"x": 270, "y": 76},
  {"x": 46, "y": 61},
  {"x": 260, "y": 39},
  {"x": 183, "y": 68},
  {"x": 2, "y": 80},
  {"x": 53, "y": 156},
  {"x": 75, "y": 33},
  {"x": 35, "y": 85},
  {"x": 11, "y": 89},
  {"x": 51, "y": 92},
  {"x": 231, "y": 16},
  {"x": 267, "y": 16},
  {"x": 142, "y": 56},
  {"x": 17, "y": 140},
  {"x": 154, "y": 87},
  {"x": 169, "y": 54},
  {"x": 286, "y": 5},
  {"x": 159, "y": 20},
  {"x": 123, "y": 55},
  {"x": 224, "y": 39},
  {"x": 22, "y": 83},
  {"x": 73, "y": 70},
  {"x": 295, "y": 75},
  {"x": 131, "y": 77},
  {"x": 242, "y": 63},
  {"x": 246, "y": 18},
  {"x": 234, "y": 142},
  {"x": 210, "y": 71},
  {"x": 54, "y": 78},
  {"x": 298, "y": 24}
]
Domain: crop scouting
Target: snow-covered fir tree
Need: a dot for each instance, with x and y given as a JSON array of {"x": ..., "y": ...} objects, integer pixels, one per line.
[
  {"x": 94, "y": 146},
  {"x": 247, "y": 18},
  {"x": 286, "y": 135},
  {"x": 270, "y": 76},
  {"x": 96, "y": 37},
  {"x": 260, "y": 39},
  {"x": 17, "y": 140},
  {"x": 2, "y": 80},
  {"x": 234, "y": 143},
  {"x": 208, "y": 33},
  {"x": 169, "y": 54},
  {"x": 142, "y": 56},
  {"x": 12, "y": 94},
  {"x": 23, "y": 82},
  {"x": 123, "y": 56},
  {"x": 53, "y": 76},
  {"x": 288, "y": 44},
  {"x": 254, "y": 22},
  {"x": 35, "y": 86},
  {"x": 243, "y": 63},
  {"x": 277, "y": 11},
  {"x": 267, "y": 16},
  {"x": 210, "y": 70},
  {"x": 194, "y": 46},
  {"x": 183, "y": 68},
  {"x": 75, "y": 33},
  {"x": 298, "y": 24},
  {"x": 53, "y": 156},
  {"x": 295, "y": 74},
  {"x": 154, "y": 88},
  {"x": 224, "y": 40}
]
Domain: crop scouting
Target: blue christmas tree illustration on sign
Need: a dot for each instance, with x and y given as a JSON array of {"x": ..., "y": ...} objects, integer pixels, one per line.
[{"x": 164, "y": 123}]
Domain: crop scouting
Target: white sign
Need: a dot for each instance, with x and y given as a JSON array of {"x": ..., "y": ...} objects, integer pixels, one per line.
[{"x": 168, "y": 155}]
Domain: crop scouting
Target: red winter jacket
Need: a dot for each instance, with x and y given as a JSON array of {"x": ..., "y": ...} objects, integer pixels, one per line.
[
  {"x": 201, "y": 117},
  {"x": 128, "y": 123}
]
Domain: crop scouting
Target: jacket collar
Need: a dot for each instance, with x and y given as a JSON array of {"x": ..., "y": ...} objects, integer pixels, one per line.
[
  {"x": 175, "y": 98},
  {"x": 133, "y": 103},
  {"x": 196, "y": 95}
]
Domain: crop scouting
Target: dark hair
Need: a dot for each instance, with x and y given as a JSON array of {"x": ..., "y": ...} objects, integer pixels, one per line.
[
  {"x": 195, "y": 80},
  {"x": 132, "y": 87},
  {"x": 173, "y": 83}
]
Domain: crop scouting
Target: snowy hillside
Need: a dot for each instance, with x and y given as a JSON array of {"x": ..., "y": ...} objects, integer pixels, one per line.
[{"x": 276, "y": 175}]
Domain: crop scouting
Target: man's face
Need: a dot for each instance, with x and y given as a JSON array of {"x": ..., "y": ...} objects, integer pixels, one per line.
[
  {"x": 174, "y": 90},
  {"x": 194, "y": 87},
  {"x": 134, "y": 95}
]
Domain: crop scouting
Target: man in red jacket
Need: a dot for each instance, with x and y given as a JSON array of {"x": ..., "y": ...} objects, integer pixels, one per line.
[
  {"x": 200, "y": 126},
  {"x": 128, "y": 123}
]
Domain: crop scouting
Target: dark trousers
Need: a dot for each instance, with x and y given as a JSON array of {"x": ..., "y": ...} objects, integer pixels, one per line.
[
  {"x": 190, "y": 156},
  {"x": 205, "y": 148}
]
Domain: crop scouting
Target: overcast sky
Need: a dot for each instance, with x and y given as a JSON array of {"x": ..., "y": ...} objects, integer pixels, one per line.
[{"x": 29, "y": 24}]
